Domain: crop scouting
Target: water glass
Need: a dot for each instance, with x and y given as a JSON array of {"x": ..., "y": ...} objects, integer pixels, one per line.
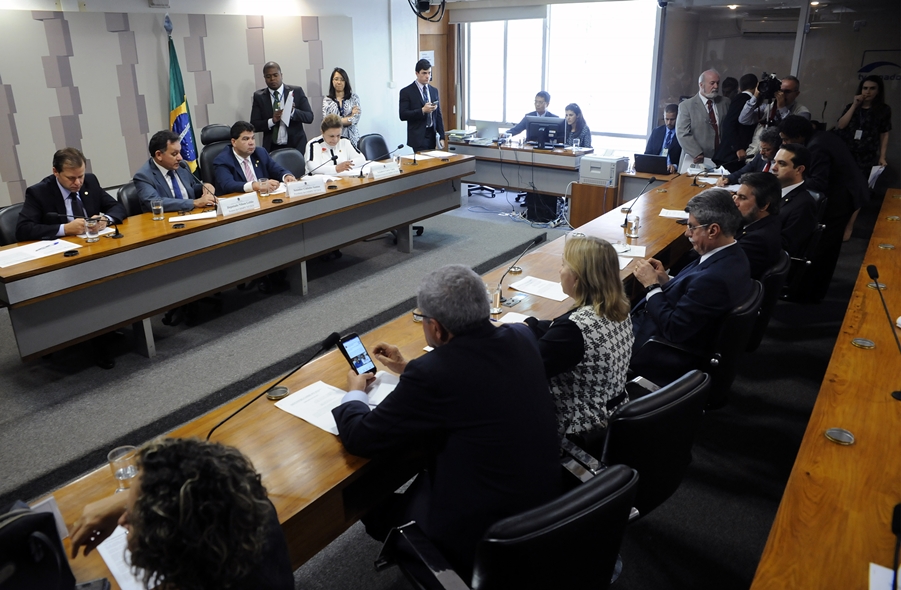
[
  {"x": 264, "y": 186},
  {"x": 123, "y": 462},
  {"x": 632, "y": 225},
  {"x": 576, "y": 143},
  {"x": 156, "y": 206},
  {"x": 496, "y": 297},
  {"x": 92, "y": 230}
]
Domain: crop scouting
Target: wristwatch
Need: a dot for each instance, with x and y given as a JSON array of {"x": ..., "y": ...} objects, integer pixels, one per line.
[{"x": 650, "y": 288}]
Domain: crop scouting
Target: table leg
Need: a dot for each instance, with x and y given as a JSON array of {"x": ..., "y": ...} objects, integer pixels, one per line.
[
  {"x": 297, "y": 278},
  {"x": 405, "y": 238},
  {"x": 144, "y": 338}
]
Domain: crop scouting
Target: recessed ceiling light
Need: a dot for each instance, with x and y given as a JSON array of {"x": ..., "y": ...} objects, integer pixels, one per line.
[
  {"x": 732, "y": 6},
  {"x": 815, "y": 3}
]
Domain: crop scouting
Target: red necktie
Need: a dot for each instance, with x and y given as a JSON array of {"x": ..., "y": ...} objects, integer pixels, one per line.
[
  {"x": 767, "y": 167},
  {"x": 716, "y": 128}
]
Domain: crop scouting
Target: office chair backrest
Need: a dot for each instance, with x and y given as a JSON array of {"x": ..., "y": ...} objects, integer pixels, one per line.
[
  {"x": 654, "y": 435},
  {"x": 773, "y": 280},
  {"x": 291, "y": 160},
  {"x": 570, "y": 542},
  {"x": 128, "y": 196},
  {"x": 820, "y": 199},
  {"x": 373, "y": 147},
  {"x": 9, "y": 216},
  {"x": 214, "y": 138}
]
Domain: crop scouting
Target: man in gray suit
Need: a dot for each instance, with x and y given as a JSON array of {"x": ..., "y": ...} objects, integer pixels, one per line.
[
  {"x": 700, "y": 118},
  {"x": 165, "y": 176}
]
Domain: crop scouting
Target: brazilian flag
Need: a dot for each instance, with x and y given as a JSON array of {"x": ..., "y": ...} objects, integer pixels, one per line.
[{"x": 179, "y": 113}]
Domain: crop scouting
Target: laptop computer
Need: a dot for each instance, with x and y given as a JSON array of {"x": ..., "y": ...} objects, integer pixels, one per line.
[{"x": 650, "y": 164}]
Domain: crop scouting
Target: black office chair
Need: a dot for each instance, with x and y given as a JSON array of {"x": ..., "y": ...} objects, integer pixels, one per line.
[
  {"x": 128, "y": 196},
  {"x": 797, "y": 284},
  {"x": 9, "y": 216},
  {"x": 214, "y": 138},
  {"x": 773, "y": 281},
  {"x": 570, "y": 542},
  {"x": 291, "y": 160},
  {"x": 727, "y": 343},
  {"x": 373, "y": 147}
]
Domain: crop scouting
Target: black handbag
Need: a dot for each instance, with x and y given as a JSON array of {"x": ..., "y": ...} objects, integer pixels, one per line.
[{"x": 31, "y": 553}]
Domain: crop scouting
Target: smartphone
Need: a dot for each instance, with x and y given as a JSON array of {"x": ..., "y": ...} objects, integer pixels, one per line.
[{"x": 353, "y": 350}]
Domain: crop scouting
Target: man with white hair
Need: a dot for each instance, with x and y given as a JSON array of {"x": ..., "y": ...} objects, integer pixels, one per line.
[{"x": 700, "y": 117}]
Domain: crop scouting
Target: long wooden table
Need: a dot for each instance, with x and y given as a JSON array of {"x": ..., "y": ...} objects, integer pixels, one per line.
[
  {"x": 835, "y": 514},
  {"x": 522, "y": 168},
  {"x": 57, "y": 301},
  {"x": 317, "y": 487}
]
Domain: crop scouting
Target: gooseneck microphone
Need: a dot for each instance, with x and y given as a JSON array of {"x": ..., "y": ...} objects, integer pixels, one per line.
[
  {"x": 534, "y": 242},
  {"x": 277, "y": 391},
  {"x": 874, "y": 274},
  {"x": 651, "y": 181},
  {"x": 414, "y": 163},
  {"x": 388, "y": 155},
  {"x": 333, "y": 160}
]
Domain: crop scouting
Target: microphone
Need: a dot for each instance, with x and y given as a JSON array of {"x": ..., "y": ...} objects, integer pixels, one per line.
[
  {"x": 415, "y": 163},
  {"x": 333, "y": 160},
  {"x": 278, "y": 392},
  {"x": 874, "y": 274},
  {"x": 388, "y": 155},
  {"x": 652, "y": 180},
  {"x": 513, "y": 266}
]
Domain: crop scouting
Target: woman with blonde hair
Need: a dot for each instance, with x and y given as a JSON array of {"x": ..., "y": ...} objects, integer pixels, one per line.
[{"x": 586, "y": 351}]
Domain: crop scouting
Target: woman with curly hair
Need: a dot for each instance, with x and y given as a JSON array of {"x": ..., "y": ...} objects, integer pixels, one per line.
[{"x": 197, "y": 517}]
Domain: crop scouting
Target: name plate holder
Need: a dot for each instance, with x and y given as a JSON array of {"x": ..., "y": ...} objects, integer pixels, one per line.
[
  {"x": 305, "y": 187},
  {"x": 378, "y": 171},
  {"x": 239, "y": 204}
]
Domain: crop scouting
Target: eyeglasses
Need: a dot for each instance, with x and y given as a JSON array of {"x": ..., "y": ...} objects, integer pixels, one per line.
[{"x": 692, "y": 228}]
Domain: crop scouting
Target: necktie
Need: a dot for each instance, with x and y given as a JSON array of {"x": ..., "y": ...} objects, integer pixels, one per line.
[
  {"x": 276, "y": 105},
  {"x": 77, "y": 209},
  {"x": 425, "y": 99},
  {"x": 248, "y": 171},
  {"x": 667, "y": 140},
  {"x": 767, "y": 167},
  {"x": 716, "y": 128},
  {"x": 176, "y": 190}
]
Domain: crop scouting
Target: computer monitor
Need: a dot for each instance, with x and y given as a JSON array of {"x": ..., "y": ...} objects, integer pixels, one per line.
[{"x": 544, "y": 131}]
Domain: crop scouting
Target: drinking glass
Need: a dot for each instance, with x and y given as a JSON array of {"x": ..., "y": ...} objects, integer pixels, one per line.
[
  {"x": 156, "y": 206},
  {"x": 264, "y": 186},
  {"x": 123, "y": 462},
  {"x": 632, "y": 225},
  {"x": 576, "y": 143},
  {"x": 92, "y": 229}
]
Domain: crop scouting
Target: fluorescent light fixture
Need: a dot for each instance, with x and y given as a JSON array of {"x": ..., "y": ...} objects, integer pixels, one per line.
[{"x": 732, "y": 6}]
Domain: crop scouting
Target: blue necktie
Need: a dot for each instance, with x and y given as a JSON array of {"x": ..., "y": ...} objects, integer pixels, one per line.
[
  {"x": 175, "y": 188},
  {"x": 425, "y": 99}
]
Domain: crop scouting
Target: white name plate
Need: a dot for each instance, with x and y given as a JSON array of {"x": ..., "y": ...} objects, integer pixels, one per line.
[
  {"x": 377, "y": 171},
  {"x": 309, "y": 185},
  {"x": 239, "y": 204}
]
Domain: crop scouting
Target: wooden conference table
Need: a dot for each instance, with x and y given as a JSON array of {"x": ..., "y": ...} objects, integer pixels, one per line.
[
  {"x": 522, "y": 168},
  {"x": 319, "y": 489},
  {"x": 57, "y": 301},
  {"x": 835, "y": 515}
]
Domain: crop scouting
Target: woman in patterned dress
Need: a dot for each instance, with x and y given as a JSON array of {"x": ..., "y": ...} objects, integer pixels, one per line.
[{"x": 343, "y": 102}]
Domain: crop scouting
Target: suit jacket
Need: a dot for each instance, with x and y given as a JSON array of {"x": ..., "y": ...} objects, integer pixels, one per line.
[
  {"x": 798, "y": 219},
  {"x": 228, "y": 176},
  {"x": 693, "y": 128},
  {"x": 762, "y": 243},
  {"x": 261, "y": 112},
  {"x": 45, "y": 197},
  {"x": 733, "y": 135},
  {"x": 490, "y": 437},
  {"x": 523, "y": 124},
  {"x": 756, "y": 164},
  {"x": 411, "y": 104},
  {"x": 151, "y": 184},
  {"x": 834, "y": 173},
  {"x": 655, "y": 144}
]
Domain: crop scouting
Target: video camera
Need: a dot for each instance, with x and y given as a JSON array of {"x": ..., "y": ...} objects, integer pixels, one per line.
[{"x": 768, "y": 86}]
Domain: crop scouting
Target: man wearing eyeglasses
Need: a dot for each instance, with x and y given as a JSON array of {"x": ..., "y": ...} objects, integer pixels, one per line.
[
  {"x": 686, "y": 308},
  {"x": 542, "y": 100},
  {"x": 772, "y": 112}
]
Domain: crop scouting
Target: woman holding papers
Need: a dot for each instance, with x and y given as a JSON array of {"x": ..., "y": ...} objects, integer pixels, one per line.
[
  {"x": 576, "y": 128},
  {"x": 586, "y": 351},
  {"x": 332, "y": 154},
  {"x": 343, "y": 102}
]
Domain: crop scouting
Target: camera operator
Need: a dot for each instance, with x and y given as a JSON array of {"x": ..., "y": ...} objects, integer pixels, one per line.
[{"x": 771, "y": 103}]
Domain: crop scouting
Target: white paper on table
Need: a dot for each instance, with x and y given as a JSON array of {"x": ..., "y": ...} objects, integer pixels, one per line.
[
  {"x": 282, "y": 189},
  {"x": 438, "y": 154},
  {"x": 875, "y": 171},
  {"x": 314, "y": 403},
  {"x": 540, "y": 287},
  {"x": 115, "y": 553},
  {"x": 629, "y": 250},
  {"x": 419, "y": 156},
  {"x": 511, "y": 317},
  {"x": 289, "y": 108},
  {"x": 674, "y": 214},
  {"x": 34, "y": 251},
  {"x": 880, "y": 577},
  {"x": 192, "y": 217},
  {"x": 383, "y": 385},
  {"x": 428, "y": 348},
  {"x": 623, "y": 262},
  {"x": 103, "y": 232}
]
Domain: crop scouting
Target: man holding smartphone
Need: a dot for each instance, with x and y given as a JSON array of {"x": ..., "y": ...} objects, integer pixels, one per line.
[
  {"x": 489, "y": 434},
  {"x": 419, "y": 108}
]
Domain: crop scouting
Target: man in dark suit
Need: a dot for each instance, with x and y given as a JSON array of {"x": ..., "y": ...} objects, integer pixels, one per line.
[
  {"x": 239, "y": 170},
  {"x": 663, "y": 140},
  {"x": 833, "y": 173},
  {"x": 798, "y": 213},
  {"x": 762, "y": 162},
  {"x": 542, "y": 101},
  {"x": 736, "y": 136},
  {"x": 420, "y": 109},
  {"x": 166, "y": 176},
  {"x": 700, "y": 117},
  {"x": 758, "y": 200},
  {"x": 68, "y": 194},
  {"x": 267, "y": 113},
  {"x": 687, "y": 308},
  {"x": 489, "y": 437}
]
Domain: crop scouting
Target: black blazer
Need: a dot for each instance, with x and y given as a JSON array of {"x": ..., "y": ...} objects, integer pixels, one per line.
[
  {"x": 834, "y": 173},
  {"x": 798, "y": 218},
  {"x": 261, "y": 112},
  {"x": 410, "y": 110},
  {"x": 655, "y": 144},
  {"x": 490, "y": 437},
  {"x": 45, "y": 197},
  {"x": 762, "y": 243},
  {"x": 735, "y": 135},
  {"x": 757, "y": 164}
]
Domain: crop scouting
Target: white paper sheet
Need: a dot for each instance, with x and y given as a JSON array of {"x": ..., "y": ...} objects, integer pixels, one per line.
[
  {"x": 540, "y": 287},
  {"x": 511, "y": 317},
  {"x": 115, "y": 554},
  {"x": 383, "y": 385},
  {"x": 673, "y": 214},
  {"x": 103, "y": 232},
  {"x": 192, "y": 217},
  {"x": 34, "y": 251},
  {"x": 288, "y": 108},
  {"x": 282, "y": 189},
  {"x": 623, "y": 262},
  {"x": 438, "y": 154},
  {"x": 419, "y": 156},
  {"x": 629, "y": 250},
  {"x": 875, "y": 171},
  {"x": 880, "y": 577}
]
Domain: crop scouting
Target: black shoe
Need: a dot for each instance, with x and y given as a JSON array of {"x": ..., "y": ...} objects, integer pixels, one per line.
[{"x": 105, "y": 363}]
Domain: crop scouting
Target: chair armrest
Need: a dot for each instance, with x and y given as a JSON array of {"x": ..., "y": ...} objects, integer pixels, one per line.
[
  {"x": 681, "y": 352},
  {"x": 409, "y": 548},
  {"x": 578, "y": 462},
  {"x": 640, "y": 387}
]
